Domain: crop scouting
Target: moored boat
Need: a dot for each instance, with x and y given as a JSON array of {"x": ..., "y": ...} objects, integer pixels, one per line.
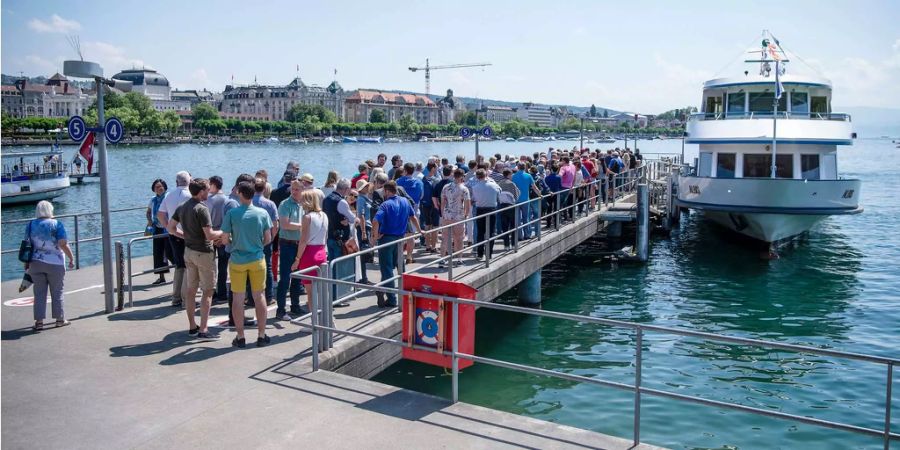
[
  {"x": 767, "y": 165},
  {"x": 33, "y": 176}
]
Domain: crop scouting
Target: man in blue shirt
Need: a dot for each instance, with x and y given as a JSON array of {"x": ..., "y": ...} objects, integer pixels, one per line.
[
  {"x": 389, "y": 225},
  {"x": 554, "y": 182},
  {"x": 525, "y": 182},
  {"x": 415, "y": 190}
]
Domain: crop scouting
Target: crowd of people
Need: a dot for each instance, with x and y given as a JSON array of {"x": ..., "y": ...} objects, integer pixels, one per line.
[{"x": 257, "y": 233}]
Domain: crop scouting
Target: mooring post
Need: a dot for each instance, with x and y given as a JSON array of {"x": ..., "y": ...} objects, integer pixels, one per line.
[
  {"x": 530, "y": 289},
  {"x": 642, "y": 246}
]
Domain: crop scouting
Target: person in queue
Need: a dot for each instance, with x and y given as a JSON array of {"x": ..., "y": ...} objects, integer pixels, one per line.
[
  {"x": 389, "y": 225},
  {"x": 162, "y": 251},
  {"x": 172, "y": 201},
  {"x": 290, "y": 216},
  {"x": 311, "y": 251}
]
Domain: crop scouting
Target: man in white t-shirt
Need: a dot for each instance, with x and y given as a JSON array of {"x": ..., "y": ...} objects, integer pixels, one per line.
[{"x": 172, "y": 201}]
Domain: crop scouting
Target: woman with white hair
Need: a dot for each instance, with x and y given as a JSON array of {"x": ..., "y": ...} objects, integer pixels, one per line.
[{"x": 48, "y": 264}]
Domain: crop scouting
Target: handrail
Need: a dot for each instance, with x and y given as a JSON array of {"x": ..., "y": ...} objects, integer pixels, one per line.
[
  {"x": 76, "y": 243},
  {"x": 621, "y": 185},
  {"x": 639, "y": 329},
  {"x": 731, "y": 115}
]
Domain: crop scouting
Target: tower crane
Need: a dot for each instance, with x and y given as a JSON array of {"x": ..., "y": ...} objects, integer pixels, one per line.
[{"x": 428, "y": 68}]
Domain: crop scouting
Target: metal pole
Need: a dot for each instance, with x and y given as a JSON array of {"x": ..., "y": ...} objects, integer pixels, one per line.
[
  {"x": 77, "y": 253},
  {"x": 401, "y": 267},
  {"x": 130, "y": 278},
  {"x": 450, "y": 256},
  {"x": 120, "y": 277},
  {"x": 637, "y": 386},
  {"x": 476, "y": 136},
  {"x": 775, "y": 124},
  {"x": 515, "y": 235},
  {"x": 887, "y": 404},
  {"x": 581, "y": 135},
  {"x": 104, "y": 200},
  {"x": 314, "y": 300},
  {"x": 642, "y": 245},
  {"x": 455, "y": 350}
]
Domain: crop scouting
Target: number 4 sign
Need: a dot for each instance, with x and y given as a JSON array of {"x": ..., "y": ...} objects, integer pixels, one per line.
[{"x": 114, "y": 130}]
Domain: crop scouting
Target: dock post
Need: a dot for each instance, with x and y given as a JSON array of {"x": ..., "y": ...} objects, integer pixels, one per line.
[
  {"x": 530, "y": 290},
  {"x": 642, "y": 246},
  {"x": 120, "y": 276}
]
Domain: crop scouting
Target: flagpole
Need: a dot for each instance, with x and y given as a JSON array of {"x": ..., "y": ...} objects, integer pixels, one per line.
[{"x": 775, "y": 122}]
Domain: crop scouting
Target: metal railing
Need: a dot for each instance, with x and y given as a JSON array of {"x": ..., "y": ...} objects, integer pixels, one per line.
[
  {"x": 602, "y": 191},
  {"x": 130, "y": 276},
  {"x": 840, "y": 117},
  {"x": 76, "y": 244},
  {"x": 322, "y": 327}
]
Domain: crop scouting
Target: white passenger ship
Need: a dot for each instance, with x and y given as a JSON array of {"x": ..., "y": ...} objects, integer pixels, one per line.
[
  {"x": 29, "y": 177},
  {"x": 740, "y": 130}
]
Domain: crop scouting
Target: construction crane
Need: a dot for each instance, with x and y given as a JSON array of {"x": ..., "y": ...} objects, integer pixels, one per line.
[{"x": 428, "y": 68}]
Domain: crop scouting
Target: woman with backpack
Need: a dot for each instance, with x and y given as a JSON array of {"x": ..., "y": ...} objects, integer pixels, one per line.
[{"x": 47, "y": 265}]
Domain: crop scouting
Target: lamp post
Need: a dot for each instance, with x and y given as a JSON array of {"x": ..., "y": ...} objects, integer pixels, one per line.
[{"x": 85, "y": 69}]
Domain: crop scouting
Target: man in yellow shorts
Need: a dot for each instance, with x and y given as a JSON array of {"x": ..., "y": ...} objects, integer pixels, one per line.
[{"x": 247, "y": 228}]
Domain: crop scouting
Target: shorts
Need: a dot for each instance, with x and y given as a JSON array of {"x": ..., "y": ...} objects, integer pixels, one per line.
[
  {"x": 255, "y": 271},
  {"x": 199, "y": 270},
  {"x": 312, "y": 256}
]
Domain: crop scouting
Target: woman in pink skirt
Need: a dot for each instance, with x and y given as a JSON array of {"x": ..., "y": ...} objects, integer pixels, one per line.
[{"x": 313, "y": 233}]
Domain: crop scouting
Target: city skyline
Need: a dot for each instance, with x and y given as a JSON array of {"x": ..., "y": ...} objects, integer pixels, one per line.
[{"x": 634, "y": 57}]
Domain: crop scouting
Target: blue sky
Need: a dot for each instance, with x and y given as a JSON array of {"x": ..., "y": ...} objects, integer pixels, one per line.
[{"x": 644, "y": 56}]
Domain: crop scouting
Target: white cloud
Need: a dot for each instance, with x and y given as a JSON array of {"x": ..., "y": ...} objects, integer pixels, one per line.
[
  {"x": 111, "y": 58},
  {"x": 39, "y": 65},
  {"x": 56, "y": 25},
  {"x": 200, "y": 80},
  {"x": 864, "y": 82}
]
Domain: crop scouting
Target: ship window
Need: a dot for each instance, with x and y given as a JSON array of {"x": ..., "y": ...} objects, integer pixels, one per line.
[
  {"x": 818, "y": 105},
  {"x": 713, "y": 105},
  {"x": 809, "y": 165},
  {"x": 725, "y": 165},
  {"x": 736, "y": 103},
  {"x": 799, "y": 103},
  {"x": 762, "y": 102},
  {"x": 759, "y": 166}
]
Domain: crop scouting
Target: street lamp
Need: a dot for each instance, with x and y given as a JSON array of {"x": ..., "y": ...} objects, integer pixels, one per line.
[
  {"x": 581, "y": 133},
  {"x": 86, "y": 69}
]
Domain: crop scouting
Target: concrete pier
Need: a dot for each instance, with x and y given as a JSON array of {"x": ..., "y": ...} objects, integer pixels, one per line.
[
  {"x": 530, "y": 290},
  {"x": 135, "y": 379}
]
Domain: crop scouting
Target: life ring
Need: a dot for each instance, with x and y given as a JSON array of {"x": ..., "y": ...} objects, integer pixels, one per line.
[{"x": 427, "y": 327}]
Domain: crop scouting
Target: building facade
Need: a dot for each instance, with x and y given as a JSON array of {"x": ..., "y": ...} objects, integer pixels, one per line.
[
  {"x": 499, "y": 114},
  {"x": 267, "y": 103},
  {"x": 154, "y": 86},
  {"x": 632, "y": 119},
  {"x": 360, "y": 104},
  {"x": 56, "y": 98},
  {"x": 540, "y": 115}
]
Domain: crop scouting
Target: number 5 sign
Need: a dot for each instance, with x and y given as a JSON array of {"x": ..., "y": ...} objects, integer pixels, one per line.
[
  {"x": 114, "y": 130},
  {"x": 76, "y": 128}
]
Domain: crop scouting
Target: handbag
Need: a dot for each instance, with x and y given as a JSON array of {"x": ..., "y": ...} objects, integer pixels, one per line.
[
  {"x": 26, "y": 250},
  {"x": 349, "y": 247}
]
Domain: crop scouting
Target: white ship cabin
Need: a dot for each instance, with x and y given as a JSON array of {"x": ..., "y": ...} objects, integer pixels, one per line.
[{"x": 735, "y": 128}]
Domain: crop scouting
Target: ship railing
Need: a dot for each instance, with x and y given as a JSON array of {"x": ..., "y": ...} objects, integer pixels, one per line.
[
  {"x": 77, "y": 219},
  {"x": 839, "y": 117},
  {"x": 323, "y": 329}
]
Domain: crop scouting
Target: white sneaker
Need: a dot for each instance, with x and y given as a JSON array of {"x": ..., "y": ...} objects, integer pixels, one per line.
[{"x": 286, "y": 317}]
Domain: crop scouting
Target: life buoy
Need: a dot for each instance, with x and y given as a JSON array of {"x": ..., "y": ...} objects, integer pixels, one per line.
[{"x": 427, "y": 327}]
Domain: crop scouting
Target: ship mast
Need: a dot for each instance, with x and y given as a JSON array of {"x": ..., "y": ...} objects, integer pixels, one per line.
[{"x": 771, "y": 52}]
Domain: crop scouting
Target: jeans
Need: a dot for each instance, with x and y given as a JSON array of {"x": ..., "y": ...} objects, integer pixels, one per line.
[
  {"x": 507, "y": 222},
  {"x": 287, "y": 253},
  {"x": 270, "y": 280},
  {"x": 524, "y": 212},
  {"x": 387, "y": 260},
  {"x": 177, "y": 245},
  {"x": 222, "y": 273},
  {"x": 484, "y": 226},
  {"x": 162, "y": 251},
  {"x": 535, "y": 215}
]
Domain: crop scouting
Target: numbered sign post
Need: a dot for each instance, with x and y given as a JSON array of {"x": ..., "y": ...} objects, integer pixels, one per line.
[
  {"x": 465, "y": 132},
  {"x": 114, "y": 130},
  {"x": 487, "y": 132},
  {"x": 77, "y": 129}
]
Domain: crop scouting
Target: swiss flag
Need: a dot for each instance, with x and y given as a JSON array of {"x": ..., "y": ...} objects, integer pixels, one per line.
[{"x": 87, "y": 150}]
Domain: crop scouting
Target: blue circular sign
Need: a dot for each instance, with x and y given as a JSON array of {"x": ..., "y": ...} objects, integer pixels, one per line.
[
  {"x": 487, "y": 132},
  {"x": 114, "y": 130},
  {"x": 77, "y": 129},
  {"x": 465, "y": 132}
]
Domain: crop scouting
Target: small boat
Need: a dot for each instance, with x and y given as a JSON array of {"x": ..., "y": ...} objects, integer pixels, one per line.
[
  {"x": 329, "y": 140},
  {"x": 350, "y": 140},
  {"x": 298, "y": 141},
  {"x": 271, "y": 140},
  {"x": 30, "y": 177},
  {"x": 393, "y": 141},
  {"x": 605, "y": 140},
  {"x": 371, "y": 140},
  {"x": 423, "y": 139},
  {"x": 509, "y": 139}
]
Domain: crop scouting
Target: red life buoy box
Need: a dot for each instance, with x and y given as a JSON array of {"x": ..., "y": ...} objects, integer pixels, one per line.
[{"x": 428, "y": 322}]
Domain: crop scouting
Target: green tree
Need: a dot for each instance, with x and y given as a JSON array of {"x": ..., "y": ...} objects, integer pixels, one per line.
[
  {"x": 376, "y": 116},
  {"x": 130, "y": 119},
  {"x": 606, "y": 113},
  {"x": 303, "y": 113},
  {"x": 593, "y": 112},
  {"x": 407, "y": 122},
  {"x": 171, "y": 121},
  {"x": 205, "y": 111}
]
